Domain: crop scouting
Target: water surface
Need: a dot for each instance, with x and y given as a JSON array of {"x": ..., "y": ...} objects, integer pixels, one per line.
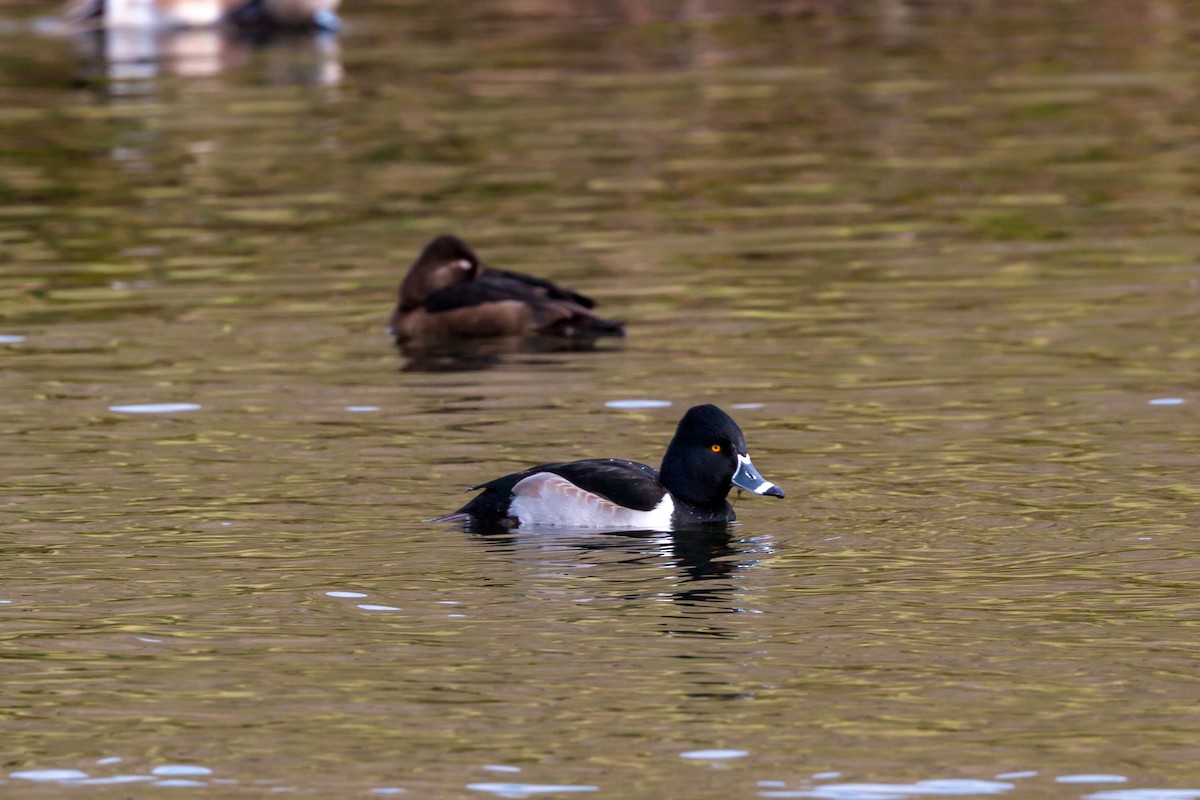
[{"x": 940, "y": 263}]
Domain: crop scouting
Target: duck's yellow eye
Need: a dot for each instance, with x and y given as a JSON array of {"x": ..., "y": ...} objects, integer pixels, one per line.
[{"x": 716, "y": 448}]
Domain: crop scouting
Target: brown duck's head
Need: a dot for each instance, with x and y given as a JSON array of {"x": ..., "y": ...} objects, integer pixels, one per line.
[{"x": 444, "y": 262}]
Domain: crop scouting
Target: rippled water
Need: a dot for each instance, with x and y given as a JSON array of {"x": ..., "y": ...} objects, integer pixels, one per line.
[{"x": 939, "y": 262}]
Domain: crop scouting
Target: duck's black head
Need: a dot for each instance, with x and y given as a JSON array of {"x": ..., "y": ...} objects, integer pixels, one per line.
[
  {"x": 444, "y": 262},
  {"x": 707, "y": 457}
]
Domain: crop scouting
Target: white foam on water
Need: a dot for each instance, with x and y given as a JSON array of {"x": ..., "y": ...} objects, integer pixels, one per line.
[
  {"x": 1167, "y": 401},
  {"x": 155, "y": 408},
  {"x": 387, "y": 790},
  {"x": 895, "y": 791},
  {"x": 772, "y": 784},
  {"x": 113, "y": 779},
  {"x": 109, "y": 760},
  {"x": 1145, "y": 794},
  {"x": 500, "y": 768},
  {"x": 52, "y": 775},
  {"x": 863, "y": 791},
  {"x": 176, "y": 770},
  {"x": 345, "y": 594},
  {"x": 456, "y": 616},
  {"x": 11, "y": 338},
  {"x": 179, "y": 782},
  {"x": 714, "y": 755},
  {"x": 527, "y": 789},
  {"x": 636, "y": 403},
  {"x": 368, "y": 607},
  {"x": 5, "y": 602},
  {"x": 1005, "y": 776},
  {"x": 741, "y": 406},
  {"x": 956, "y": 786},
  {"x": 148, "y": 639},
  {"x": 361, "y": 409},
  {"x": 1091, "y": 779},
  {"x": 826, "y": 776}
]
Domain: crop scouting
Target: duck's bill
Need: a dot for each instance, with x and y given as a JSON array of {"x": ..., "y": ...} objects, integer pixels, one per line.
[
  {"x": 747, "y": 477},
  {"x": 326, "y": 20}
]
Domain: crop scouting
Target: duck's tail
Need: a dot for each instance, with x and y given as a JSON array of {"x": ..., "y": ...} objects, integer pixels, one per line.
[
  {"x": 83, "y": 14},
  {"x": 579, "y": 323},
  {"x": 604, "y": 327}
]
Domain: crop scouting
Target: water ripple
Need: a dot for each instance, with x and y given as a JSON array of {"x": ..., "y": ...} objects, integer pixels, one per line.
[
  {"x": 155, "y": 408},
  {"x": 895, "y": 791},
  {"x": 527, "y": 789}
]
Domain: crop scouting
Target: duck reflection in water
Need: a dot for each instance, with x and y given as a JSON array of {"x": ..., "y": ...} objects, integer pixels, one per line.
[
  {"x": 133, "y": 41},
  {"x": 701, "y": 565},
  {"x": 469, "y": 355},
  {"x": 169, "y": 15}
]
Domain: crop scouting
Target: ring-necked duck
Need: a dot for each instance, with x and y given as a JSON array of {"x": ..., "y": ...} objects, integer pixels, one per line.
[
  {"x": 448, "y": 293},
  {"x": 168, "y": 14},
  {"x": 706, "y": 458}
]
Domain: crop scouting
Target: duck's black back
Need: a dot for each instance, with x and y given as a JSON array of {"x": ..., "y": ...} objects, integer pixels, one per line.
[
  {"x": 548, "y": 288},
  {"x": 627, "y": 483}
]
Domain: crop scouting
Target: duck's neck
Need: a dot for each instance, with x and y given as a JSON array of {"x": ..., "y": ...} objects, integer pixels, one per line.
[
  {"x": 688, "y": 514},
  {"x": 687, "y": 485}
]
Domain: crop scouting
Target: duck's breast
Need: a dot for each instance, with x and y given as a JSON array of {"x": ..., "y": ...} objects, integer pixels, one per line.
[{"x": 506, "y": 318}]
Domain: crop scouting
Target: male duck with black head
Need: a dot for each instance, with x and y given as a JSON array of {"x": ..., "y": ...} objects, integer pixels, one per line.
[
  {"x": 706, "y": 458},
  {"x": 449, "y": 294}
]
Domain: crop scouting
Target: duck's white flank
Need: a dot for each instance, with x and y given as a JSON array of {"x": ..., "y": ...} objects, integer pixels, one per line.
[
  {"x": 149, "y": 14},
  {"x": 548, "y": 499}
]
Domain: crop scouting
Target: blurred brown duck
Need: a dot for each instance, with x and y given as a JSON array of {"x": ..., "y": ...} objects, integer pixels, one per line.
[
  {"x": 169, "y": 14},
  {"x": 448, "y": 293}
]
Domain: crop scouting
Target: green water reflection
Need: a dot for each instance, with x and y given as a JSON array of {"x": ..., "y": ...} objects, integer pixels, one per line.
[{"x": 951, "y": 251}]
